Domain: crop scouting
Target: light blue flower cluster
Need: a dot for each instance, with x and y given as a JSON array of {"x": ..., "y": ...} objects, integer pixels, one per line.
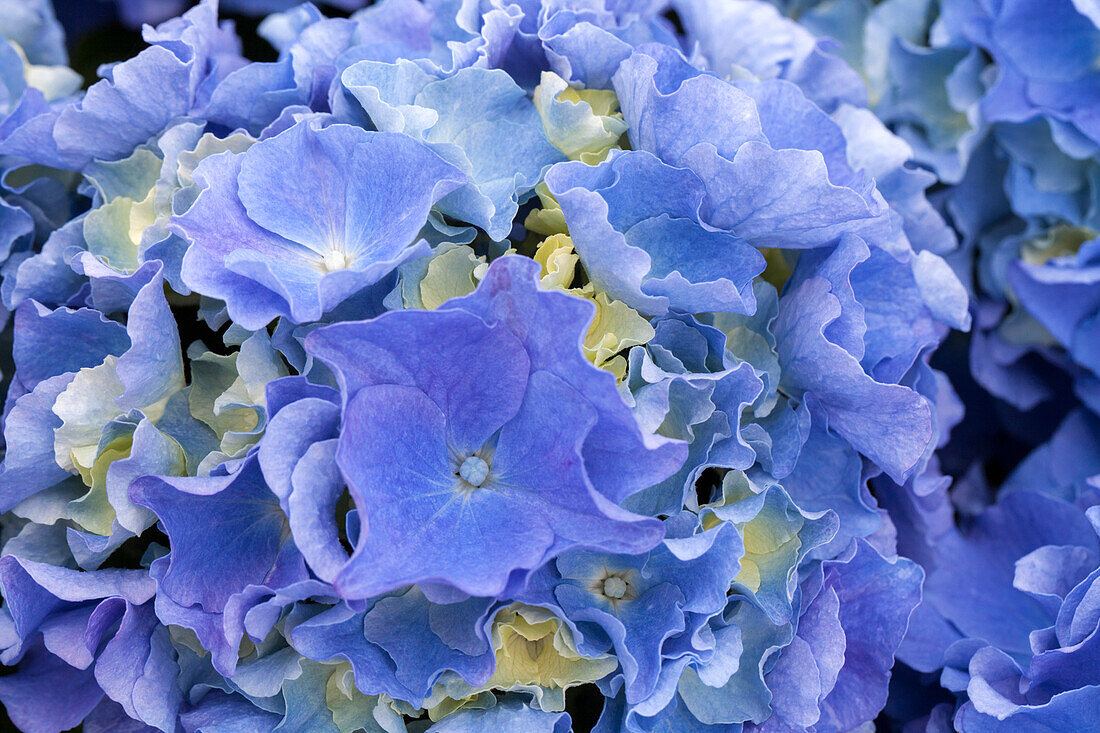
[
  {"x": 471, "y": 354},
  {"x": 135, "y": 13},
  {"x": 999, "y": 98}
]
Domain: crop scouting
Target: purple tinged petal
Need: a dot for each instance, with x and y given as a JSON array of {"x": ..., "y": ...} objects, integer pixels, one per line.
[
  {"x": 289, "y": 434},
  {"x": 32, "y": 590},
  {"x": 109, "y": 717},
  {"x": 41, "y": 675},
  {"x": 447, "y": 355},
  {"x": 807, "y": 669},
  {"x": 541, "y": 472},
  {"x": 215, "y": 224},
  {"x": 28, "y": 436},
  {"x": 138, "y": 100},
  {"x": 226, "y": 532},
  {"x": 876, "y": 598},
  {"x": 1054, "y": 570},
  {"x": 890, "y": 424},
  {"x": 311, "y": 508},
  {"x": 298, "y": 253},
  {"x": 217, "y": 709},
  {"x": 281, "y": 392},
  {"x": 137, "y": 669},
  {"x": 152, "y": 368},
  {"x": 420, "y": 525},
  {"x": 400, "y": 625},
  {"x": 973, "y": 587},
  {"x": 395, "y": 183},
  {"x": 338, "y": 632},
  {"x": 49, "y": 343},
  {"x": 209, "y": 628},
  {"x": 620, "y": 459},
  {"x": 74, "y": 635}
]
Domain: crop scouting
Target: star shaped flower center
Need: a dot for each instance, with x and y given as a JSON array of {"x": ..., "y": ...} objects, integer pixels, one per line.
[
  {"x": 474, "y": 470},
  {"x": 617, "y": 586},
  {"x": 614, "y": 587}
]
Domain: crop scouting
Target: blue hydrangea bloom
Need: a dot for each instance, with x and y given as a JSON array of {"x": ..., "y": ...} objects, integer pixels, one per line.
[
  {"x": 466, "y": 118},
  {"x": 285, "y": 261},
  {"x": 139, "y": 97},
  {"x": 640, "y": 604},
  {"x": 803, "y": 191},
  {"x": 500, "y": 464},
  {"x": 463, "y": 362},
  {"x": 650, "y": 253}
]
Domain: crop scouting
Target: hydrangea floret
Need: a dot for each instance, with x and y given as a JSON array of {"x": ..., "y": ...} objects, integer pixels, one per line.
[{"x": 552, "y": 365}]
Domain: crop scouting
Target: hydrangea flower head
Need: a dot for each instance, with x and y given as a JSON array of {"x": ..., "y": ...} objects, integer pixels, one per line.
[
  {"x": 463, "y": 362},
  {"x": 492, "y": 475},
  {"x": 300, "y": 253}
]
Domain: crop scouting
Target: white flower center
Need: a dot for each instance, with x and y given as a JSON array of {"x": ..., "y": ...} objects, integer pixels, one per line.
[
  {"x": 334, "y": 259},
  {"x": 474, "y": 471},
  {"x": 614, "y": 587}
]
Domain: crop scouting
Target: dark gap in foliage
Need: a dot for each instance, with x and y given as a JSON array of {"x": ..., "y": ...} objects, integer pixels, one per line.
[
  {"x": 708, "y": 487},
  {"x": 343, "y": 506},
  {"x": 7, "y": 362},
  {"x": 253, "y": 47},
  {"x": 584, "y": 704},
  {"x": 106, "y": 45},
  {"x": 131, "y": 552},
  {"x": 97, "y": 36},
  {"x": 913, "y": 695},
  {"x": 192, "y": 328},
  {"x": 674, "y": 18},
  {"x": 423, "y": 717},
  {"x": 991, "y": 432}
]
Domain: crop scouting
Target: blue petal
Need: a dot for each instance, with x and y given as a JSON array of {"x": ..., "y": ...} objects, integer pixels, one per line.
[
  {"x": 634, "y": 221},
  {"x": 497, "y": 141},
  {"x": 342, "y": 238},
  {"x": 245, "y": 546},
  {"x": 888, "y": 423}
]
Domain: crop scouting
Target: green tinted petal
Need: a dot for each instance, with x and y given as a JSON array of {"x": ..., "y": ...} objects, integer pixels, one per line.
[
  {"x": 584, "y": 124},
  {"x": 450, "y": 275}
]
